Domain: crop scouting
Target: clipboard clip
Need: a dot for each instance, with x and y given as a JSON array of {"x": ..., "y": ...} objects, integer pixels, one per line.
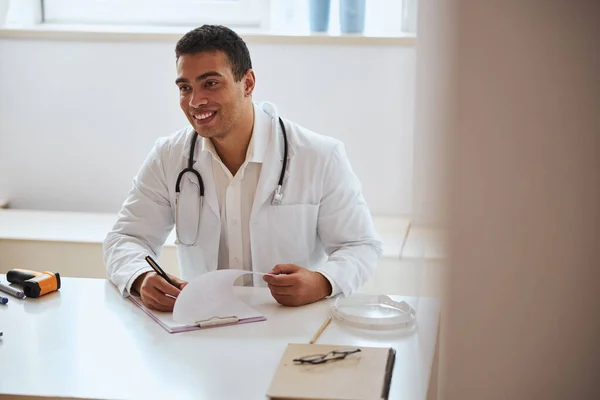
[{"x": 216, "y": 321}]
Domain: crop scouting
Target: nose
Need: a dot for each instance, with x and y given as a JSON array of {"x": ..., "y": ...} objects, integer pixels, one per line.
[{"x": 198, "y": 99}]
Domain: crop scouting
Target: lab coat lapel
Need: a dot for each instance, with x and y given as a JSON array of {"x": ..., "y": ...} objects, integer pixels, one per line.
[{"x": 271, "y": 168}]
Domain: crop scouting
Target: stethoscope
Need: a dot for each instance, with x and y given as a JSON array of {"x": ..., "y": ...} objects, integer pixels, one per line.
[{"x": 277, "y": 196}]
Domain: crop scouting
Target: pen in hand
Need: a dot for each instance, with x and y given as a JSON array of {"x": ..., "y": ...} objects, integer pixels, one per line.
[{"x": 159, "y": 271}]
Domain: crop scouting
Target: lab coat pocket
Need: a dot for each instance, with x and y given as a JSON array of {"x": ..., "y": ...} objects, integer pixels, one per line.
[{"x": 293, "y": 231}]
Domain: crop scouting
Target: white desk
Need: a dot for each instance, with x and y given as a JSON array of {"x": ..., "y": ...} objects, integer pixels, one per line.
[{"x": 88, "y": 342}]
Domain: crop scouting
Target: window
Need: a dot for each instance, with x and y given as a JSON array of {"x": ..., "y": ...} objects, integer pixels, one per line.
[
  {"x": 239, "y": 13},
  {"x": 381, "y": 17},
  {"x": 288, "y": 17}
]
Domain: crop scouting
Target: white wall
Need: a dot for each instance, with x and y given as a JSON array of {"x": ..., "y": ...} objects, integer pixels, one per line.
[{"x": 77, "y": 118}]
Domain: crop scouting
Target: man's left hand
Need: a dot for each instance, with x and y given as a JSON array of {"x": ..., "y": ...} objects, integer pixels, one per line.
[{"x": 297, "y": 286}]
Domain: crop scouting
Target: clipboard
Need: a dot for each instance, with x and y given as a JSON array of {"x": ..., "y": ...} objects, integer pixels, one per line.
[{"x": 165, "y": 319}]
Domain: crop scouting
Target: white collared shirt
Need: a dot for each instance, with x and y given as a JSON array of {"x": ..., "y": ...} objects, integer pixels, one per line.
[{"x": 236, "y": 196}]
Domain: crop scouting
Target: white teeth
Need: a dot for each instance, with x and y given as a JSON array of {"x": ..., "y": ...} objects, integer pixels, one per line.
[{"x": 204, "y": 116}]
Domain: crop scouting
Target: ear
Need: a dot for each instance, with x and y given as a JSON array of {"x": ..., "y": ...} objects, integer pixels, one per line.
[{"x": 249, "y": 80}]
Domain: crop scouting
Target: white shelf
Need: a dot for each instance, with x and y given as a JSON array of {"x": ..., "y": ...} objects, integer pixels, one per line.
[
  {"x": 80, "y": 227},
  {"x": 58, "y": 226},
  {"x": 157, "y": 33},
  {"x": 424, "y": 242}
]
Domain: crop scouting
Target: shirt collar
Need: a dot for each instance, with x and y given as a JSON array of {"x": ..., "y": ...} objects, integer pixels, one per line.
[{"x": 261, "y": 133}]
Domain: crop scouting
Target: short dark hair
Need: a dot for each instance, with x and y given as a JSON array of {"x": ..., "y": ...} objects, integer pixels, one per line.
[{"x": 217, "y": 38}]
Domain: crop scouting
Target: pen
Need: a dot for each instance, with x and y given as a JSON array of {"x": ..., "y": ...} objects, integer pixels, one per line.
[
  {"x": 159, "y": 270},
  {"x": 12, "y": 291}
]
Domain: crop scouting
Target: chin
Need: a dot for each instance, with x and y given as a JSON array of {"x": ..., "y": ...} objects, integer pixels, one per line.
[
  {"x": 205, "y": 130},
  {"x": 202, "y": 132}
]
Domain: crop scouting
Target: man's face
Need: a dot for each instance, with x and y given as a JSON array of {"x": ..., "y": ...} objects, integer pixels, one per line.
[{"x": 208, "y": 94}]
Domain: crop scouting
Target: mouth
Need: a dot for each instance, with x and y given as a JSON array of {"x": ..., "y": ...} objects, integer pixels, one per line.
[{"x": 204, "y": 117}]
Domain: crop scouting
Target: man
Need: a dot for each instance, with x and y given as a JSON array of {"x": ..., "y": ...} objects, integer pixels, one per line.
[{"x": 313, "y": 229}]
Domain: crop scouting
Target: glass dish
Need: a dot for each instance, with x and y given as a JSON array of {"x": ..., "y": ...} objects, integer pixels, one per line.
[{"x": 374, "y": 312}]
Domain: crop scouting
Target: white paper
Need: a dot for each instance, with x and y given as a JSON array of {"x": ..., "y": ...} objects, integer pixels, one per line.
[{"x": 211, "y": 296}]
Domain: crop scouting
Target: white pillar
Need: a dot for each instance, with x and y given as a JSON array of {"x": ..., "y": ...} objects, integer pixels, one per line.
[{"x": 433, "y": 78}]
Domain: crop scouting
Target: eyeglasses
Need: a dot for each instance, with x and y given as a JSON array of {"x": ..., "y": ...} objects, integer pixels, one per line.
[{"x": 323, "y": 358}]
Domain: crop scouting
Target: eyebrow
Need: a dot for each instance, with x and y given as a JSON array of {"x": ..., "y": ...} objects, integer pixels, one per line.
[{"x": 199, "y": 77}]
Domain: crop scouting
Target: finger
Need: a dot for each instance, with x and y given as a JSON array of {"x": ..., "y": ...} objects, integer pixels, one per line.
[
  {"x": 275, "y": 270},
  {"x": 289, "y": 301},
  {"x": 284, "y": 274},
  {"x": 282, "y": 280},
  {"x": 282, "y": 291},
  {"x": 151, "y": 303},
  {"x": 286, "y": 268},
  {"x": 282, "y": 268},
  {"x": 270, "y": 276},
  {"x": 178, "y": 282},
  {"x": 160, "y": 300},
  {"x": 159, "y": 283},
  {"x": 159, "y": 306}
]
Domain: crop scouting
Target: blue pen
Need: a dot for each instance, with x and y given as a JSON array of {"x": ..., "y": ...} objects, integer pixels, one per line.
[{"x": 3, "y": 300}]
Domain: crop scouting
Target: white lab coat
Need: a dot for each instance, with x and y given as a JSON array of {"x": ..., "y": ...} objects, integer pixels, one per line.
[{"x": 322, "y": 223}]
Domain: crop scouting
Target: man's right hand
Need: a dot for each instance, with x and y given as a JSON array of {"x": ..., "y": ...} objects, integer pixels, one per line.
[{"x": 157, "y": 293}]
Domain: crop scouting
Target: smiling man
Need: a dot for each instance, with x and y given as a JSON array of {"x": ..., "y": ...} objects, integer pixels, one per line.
[{"x": 244, "y": 188}]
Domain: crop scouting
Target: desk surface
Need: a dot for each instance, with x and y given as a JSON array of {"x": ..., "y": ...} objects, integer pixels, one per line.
[{"x": 88, "y": 342}]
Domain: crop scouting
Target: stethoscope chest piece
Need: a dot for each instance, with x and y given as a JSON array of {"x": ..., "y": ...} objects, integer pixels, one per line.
[{"x": 277, "y": 196}]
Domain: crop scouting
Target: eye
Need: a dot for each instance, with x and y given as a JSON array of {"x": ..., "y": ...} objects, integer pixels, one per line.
[
  {"x": 184, "y": 88},
  {"x": 211, "y": 83}
]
